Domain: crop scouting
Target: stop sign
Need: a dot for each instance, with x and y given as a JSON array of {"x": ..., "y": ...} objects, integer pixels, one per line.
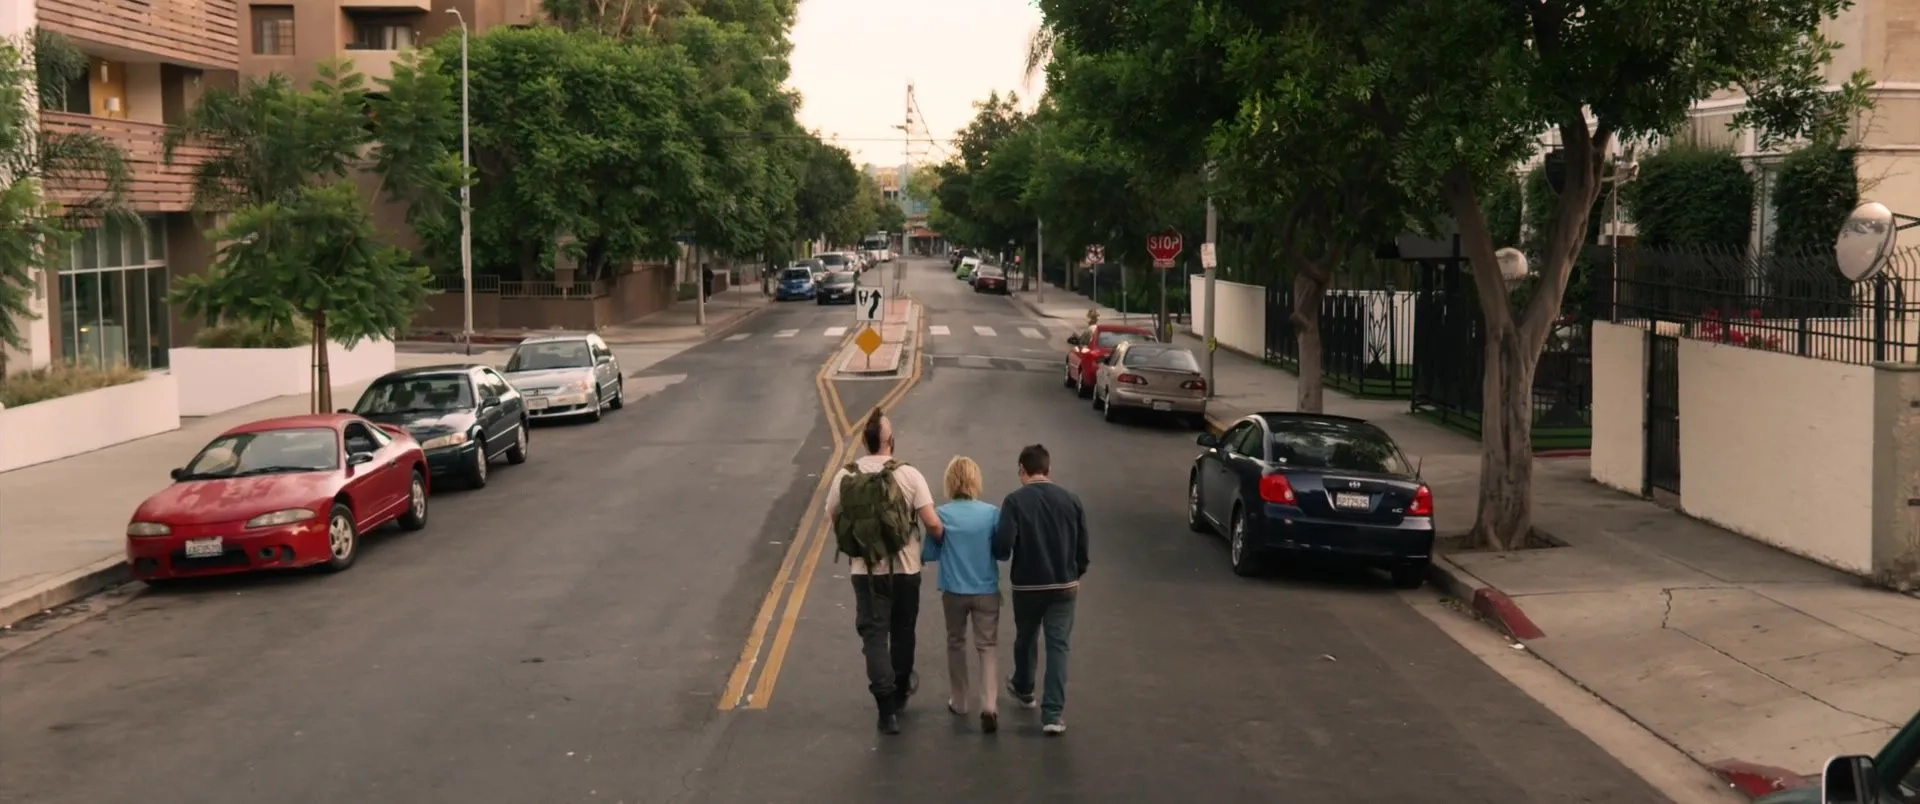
[{"x": 1164, "y": 246}]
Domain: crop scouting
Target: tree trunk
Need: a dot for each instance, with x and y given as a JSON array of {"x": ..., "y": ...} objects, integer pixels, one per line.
[
  {"x": 1307, "y": 292},
  {"x": 322, "y": 377},
  {"x": 1504, "y": 516}
]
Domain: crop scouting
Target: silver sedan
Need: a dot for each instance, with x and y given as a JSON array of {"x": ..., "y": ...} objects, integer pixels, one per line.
[
  {"x": 1150, "y": 376},
  {"x": 566, "y": 375}
]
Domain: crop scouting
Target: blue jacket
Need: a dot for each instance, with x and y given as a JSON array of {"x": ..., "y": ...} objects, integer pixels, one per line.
[{"x": 966, "y": 553}]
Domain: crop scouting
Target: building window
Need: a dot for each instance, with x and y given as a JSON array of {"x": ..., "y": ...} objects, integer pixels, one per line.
[
  {"x": 113, "y": 296},
  {"x": 381, "y": 34},
  {"x": 272, "y": 30}
]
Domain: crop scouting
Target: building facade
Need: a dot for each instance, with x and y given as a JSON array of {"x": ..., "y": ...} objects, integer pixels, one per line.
[{"x": 293, "y": 37}]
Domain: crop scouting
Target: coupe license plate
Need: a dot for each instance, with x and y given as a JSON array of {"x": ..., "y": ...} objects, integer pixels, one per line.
[
  {"x": 1163, "y": 406},
  {"x": 536, "y": 403},
  {"x": 204, "y": 548},
  {"x": 1350, "y": 501}
]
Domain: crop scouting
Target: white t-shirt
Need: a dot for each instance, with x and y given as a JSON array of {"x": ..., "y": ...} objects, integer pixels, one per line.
[{"x": 913, "y": 485}]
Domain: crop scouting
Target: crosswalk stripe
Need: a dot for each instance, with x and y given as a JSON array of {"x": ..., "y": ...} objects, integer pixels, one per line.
[
  {"x": 738, "y": 337},
  {"x": 1032, "y": 333},
  {"x": 786, "y": 333},
  {"x": 835, "y": 332},
  {"x": 985, "y": 332},
  {"x": 937, "y": 329}
]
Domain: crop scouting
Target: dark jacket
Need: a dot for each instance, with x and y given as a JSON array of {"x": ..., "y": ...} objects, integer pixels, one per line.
[{"x": 1043, "y": 529}]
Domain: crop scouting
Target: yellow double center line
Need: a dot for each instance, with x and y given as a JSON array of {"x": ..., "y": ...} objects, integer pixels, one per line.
[{"x": 810, "y": 539}]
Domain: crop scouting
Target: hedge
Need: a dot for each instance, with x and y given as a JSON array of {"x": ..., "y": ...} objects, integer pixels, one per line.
[{"x": 1691, "y": 197}]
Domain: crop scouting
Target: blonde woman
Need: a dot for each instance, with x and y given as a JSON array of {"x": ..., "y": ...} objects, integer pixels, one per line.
[{"x": 969, "y": 588}]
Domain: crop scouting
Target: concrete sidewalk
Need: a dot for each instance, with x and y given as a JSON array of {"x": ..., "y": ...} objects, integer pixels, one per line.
[
  {"x": 726, "y": 311},
  {"x": 1756, "y": 663},
  {"x": 1055, "y": 302}
]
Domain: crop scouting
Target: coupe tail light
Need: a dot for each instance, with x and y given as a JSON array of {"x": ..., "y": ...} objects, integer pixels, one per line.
[
  {"x": 1275, "y": 489},
  {"x": 1422, "y": 502},
  {"x": 1133, "y": 379},
  {"x": 1194, "y": 385}
]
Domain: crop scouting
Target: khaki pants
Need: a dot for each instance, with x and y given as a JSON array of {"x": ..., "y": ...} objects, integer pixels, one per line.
[{"x": 984, "y": 612}]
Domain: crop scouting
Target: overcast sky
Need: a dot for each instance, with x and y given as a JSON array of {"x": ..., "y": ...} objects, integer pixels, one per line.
[{"x": 852, "y": 60}]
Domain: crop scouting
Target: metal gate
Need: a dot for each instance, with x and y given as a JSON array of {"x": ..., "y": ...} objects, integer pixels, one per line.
[{"x": 1663, "y": 413}]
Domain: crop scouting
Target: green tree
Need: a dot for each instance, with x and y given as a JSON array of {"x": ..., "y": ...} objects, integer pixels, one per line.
[
  {"x": 417, "y": 127},
  {"x": 1692, "y": 197},
  {"x": 33, "y": 226},
  {"x": 829, "y": 184},
  {"x": 298, "y": 242}
]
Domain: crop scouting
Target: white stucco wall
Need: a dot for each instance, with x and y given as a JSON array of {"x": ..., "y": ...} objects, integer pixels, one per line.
[
  {"x": 1241, "y": 323},
  {"x": 1619, "y": 407},
  {"x": 1779, "y": 448}
]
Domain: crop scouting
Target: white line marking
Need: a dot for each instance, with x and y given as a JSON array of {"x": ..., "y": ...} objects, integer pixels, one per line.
[
  {"x": 786, "y": 333},
  {"x": 937, "y": 329},
  {"x": 736, "y": 338},
  {"x": 985, "y": 332},
  {"x": 1032, "y": 333},
  {"x": 835, "y": 332}
]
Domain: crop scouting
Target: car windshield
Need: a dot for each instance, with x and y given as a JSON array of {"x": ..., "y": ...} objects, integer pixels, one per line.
[
  {"x": 551, "y": 355},
  {"x": 833, "y": 259},
  {"x": 991, "y": 270},
  {"x": 301, "y": 449},
  {"x": 1165, "y": 358},
  {"x": 428, "y": 394},
  {"x": 1109, "y": 338},
  {"x": 875, "y": 243},
  {"x": 838, "y": 279},
  {"x": 797, "y": 274},
  {"x": 1339, "y": 446}
]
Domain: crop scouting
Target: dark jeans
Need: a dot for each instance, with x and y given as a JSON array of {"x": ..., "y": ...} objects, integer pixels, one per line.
[
  {"x": 1052, "y": 612},
  {"x": 886, "y": 608}
]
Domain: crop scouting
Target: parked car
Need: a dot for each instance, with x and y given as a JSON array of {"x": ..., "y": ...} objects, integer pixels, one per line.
[
  {"x": 282, "y": 493},
  {"x": 990, "y": 279},
  {"x": 1896, "y": 769},
  {"x": 1313, "y": 484},
  {"x": 837, "y": 288},
  {"x": 964, "y": 272},
  {"x": 1086, "y": 350},
  {"x": 796, "y": 283},
  {"x": 1148, "y": 376},
  {"x": 464, "y": 416},
  {"x": 566, "y": 375},
  {"x": 832, "y": 261},
  {"x": 955, "y": 256}
]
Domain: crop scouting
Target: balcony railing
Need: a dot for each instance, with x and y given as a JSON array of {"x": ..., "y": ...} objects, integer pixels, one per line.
[
  {"x": 200, "y": 33},
  {"x": 156, "y": 186}
]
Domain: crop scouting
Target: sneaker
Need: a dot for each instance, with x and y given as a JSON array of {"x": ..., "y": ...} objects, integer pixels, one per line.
[
  {"x": 889, "y": 723},
  {"x": 1055, "y": 727},
  {"x": 1026, "y": 699},
  {"x": 989, "y": 722}
]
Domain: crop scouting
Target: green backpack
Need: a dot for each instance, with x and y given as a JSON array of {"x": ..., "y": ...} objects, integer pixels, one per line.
[{"x": 875, "y": 522}]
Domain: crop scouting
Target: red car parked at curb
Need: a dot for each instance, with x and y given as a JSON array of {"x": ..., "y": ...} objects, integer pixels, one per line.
[
  {"x": 1091, "y": 347},
  {"x": 281, "y": 493}
]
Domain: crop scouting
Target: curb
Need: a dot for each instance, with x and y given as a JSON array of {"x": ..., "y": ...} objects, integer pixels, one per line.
[
  {"x": 1490, "y": 603},
  {"x": 65, "y": 589},
  {"x": 847, "y": 351},
  {"x": 1754, "y": 781}
]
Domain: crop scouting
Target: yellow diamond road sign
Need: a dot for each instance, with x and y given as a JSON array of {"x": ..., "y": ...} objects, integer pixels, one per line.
[{"x": 868, "y": 340}]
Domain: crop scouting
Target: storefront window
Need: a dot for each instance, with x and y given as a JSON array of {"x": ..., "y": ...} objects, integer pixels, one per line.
[{"x": 113, "y": 296}]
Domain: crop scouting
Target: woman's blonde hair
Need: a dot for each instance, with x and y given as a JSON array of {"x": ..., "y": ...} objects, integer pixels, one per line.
[{"x": 963, "y": 479}]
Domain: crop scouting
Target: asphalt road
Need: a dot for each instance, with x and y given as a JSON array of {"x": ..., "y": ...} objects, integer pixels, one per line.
[{"x": 566, "y": 634}]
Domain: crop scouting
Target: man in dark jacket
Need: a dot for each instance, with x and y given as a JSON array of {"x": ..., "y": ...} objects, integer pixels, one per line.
[{"x": 1043, "y": 529}]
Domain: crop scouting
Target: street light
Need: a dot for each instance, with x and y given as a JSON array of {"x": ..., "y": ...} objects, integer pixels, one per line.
[{"x": 466, "y": 190}]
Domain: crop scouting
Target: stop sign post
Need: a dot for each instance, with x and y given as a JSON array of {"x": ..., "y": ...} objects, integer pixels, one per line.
[{"x": 1164, "y": 247}]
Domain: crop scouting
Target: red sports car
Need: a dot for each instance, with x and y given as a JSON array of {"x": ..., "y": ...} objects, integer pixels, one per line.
[
  {"x": 277, "y": 494},
  {"x": 1091, "y": 347}
]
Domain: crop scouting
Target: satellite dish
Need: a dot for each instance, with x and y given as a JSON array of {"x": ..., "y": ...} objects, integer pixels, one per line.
[
  {"x": 1866, "y": 241},
  {"x": 1513, "y": 264}
]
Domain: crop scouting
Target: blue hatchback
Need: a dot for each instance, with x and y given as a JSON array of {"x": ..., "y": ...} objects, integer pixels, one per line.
[{"x": 795, "y": 283}]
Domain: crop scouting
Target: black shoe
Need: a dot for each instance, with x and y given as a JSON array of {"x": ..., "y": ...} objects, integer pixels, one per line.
[
  {"x": 889, "y": 723},
  {"x": 989, "y": 722}
]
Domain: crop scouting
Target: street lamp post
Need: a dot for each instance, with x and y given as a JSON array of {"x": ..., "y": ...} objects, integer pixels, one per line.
[{"x": 466, "y": 190}]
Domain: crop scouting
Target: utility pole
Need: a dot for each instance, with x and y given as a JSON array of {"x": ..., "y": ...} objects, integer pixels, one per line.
[
  {"x": 700, "y": 276},
  {"x": 1213, "y": 232},
  {"x": 466, "y": 190},
  {"x": 906, "y": 172},
  {"x": 1040, "y": 258}
]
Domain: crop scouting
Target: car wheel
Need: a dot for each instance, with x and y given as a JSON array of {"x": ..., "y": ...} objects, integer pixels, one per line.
[
  {"x": 1086, "y": 391},
  {"x": 1197, "y": 421},
  {"x": 1195, "y": 522},
  {"x": 1411, "y": 575},
  {"x": 598, "y": 403},
  {"x": 1066, "y": 377},
  {"x": 1096, "y": 396},
  {"x": 619, "y": 394},
  {"x": 1237, "y": 552},
  {"x": 343, "y": 539},
  {"x": 517, "y": 454},
  {"x": 416, "y": 516},
  {"x": 1106, "y": 408},
  {"x": 476, "y": 474}
]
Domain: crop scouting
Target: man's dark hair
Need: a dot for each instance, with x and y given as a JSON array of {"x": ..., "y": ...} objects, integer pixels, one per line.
[
  {"x": 874, "y": 430},
  {"x": 1035, "y": 460}
]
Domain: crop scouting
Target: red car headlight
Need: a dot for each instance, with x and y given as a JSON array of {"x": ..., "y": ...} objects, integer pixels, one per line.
[
  {"x": 287, "y": 517},
  {"x": 148, "y": 529}
]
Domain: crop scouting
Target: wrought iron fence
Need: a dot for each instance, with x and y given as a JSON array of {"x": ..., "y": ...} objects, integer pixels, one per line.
[
  {"x": 1797, "y": 303},
  {"x": 1366, "y": 338},
  {"x": 482, "y": 283}
]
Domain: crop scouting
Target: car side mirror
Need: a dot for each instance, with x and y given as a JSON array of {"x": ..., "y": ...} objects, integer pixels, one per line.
[
  {"x": 344, "y": 410},
  {"x": 1208, "y": 440},
  {"x": 1073, "y": 340},
  {"x": 177, "y": 473},
  {"x": 1852, "y": 780},
  {"x": 490, "y": 402},
  {"x": 359, "y": 458}
]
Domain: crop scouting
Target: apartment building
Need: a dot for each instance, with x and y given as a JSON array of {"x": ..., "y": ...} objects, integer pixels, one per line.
[
  {"x": 293, "y": 37},
  {"x": 150, "y": 60}
]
